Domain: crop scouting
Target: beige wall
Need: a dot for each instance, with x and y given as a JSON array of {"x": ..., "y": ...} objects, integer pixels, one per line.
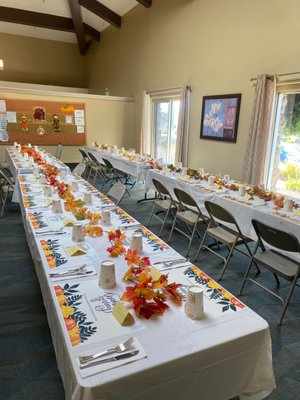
[
  {"x": 214, "y": 46},
  {"x": 41, "y": 61},
  {"x": 107, "y": 120}
]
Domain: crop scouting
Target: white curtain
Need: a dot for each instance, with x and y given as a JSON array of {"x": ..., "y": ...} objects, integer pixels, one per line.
[
  {"x": 145, "y": 128},
  {"x": 254, "y": 164},
  {"x": 181, "y": 153}
]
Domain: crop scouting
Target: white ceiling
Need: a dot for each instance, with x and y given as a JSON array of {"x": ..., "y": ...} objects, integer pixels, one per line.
[{"x": 60, "y": 8}]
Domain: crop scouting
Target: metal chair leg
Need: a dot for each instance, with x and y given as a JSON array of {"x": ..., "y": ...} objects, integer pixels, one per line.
[{"x": 287, "y": 300}]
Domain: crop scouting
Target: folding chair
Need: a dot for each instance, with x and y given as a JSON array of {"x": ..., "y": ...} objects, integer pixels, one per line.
[
  {"x": 189, "y": 212},
  {"x": 165, "y": 203},
  {"x": 116, "y": 192},
  {"x": 218, "y": 229},
  {"x": 58, "y": 151},
  {"x": 273, "y": 260},
  {"x": 114, "y": 175},
  {"x": 96, "y": 168},
  {"x": 6, "y": 190}
]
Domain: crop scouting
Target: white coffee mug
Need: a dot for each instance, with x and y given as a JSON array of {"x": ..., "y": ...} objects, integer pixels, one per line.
[
  {"x": 47, "y": 190},
  {"x": 78, "y": 232},
  {"x": 105, "y": 218},
  {"x": 74, "y": 187},
  {"x": 288, "y": 204},
  {"x": 107, "y": 276},
  {"x": 56, "y": 206},
  {"x": 137, "y": 242},
  {"x": 88, "y": 198},
  {"x": 242, "y": 191},
  {"x": 194, "y": 303}
]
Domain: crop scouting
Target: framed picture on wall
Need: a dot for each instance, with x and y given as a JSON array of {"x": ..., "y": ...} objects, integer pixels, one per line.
[{"x": 220, "y": 117}]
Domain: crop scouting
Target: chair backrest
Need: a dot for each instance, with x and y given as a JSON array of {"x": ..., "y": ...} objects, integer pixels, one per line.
[
  {"x": 219, "y": 212},
  {"x": 8, "y": 178},
  {"x": 107, "y": 163},
  {"x": 83, "y": 154},
  {"x": 116, "y": 192},
  {"x": 185, "y": 200},
  {"x": 160, "y": 188},
  {"x": 79, "y": 169},
  {"x": 58, "y": 151},
  {"x": 93, "y": 159},
  {"x": 274, "y": 237}
]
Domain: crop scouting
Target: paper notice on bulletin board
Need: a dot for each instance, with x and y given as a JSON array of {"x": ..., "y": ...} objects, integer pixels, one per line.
[
  {"x": 80, "y": 129},
  {"x": 79, "y": 114},
  {"x": 79, "y": 121},
  {"x": 2, "y": 106}
]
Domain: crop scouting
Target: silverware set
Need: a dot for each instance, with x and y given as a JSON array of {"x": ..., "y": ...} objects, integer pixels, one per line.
[
  {"x": 170, "y": 263},
  {"x": 59, "y": 231},
  {"x": 96, "y": 358},
  {"x": 71, "y": 272}
]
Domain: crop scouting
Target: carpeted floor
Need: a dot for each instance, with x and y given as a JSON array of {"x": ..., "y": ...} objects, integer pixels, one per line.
[{"x": 28, "y": 368}]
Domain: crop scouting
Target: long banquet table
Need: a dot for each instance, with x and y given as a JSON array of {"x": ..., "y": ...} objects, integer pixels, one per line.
[
  {"x": 243, "y": 210},
  {"x": 225, "y": 354}
]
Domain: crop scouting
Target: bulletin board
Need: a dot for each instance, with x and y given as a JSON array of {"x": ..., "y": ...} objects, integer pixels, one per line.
[{"x": 42, "y": 122}]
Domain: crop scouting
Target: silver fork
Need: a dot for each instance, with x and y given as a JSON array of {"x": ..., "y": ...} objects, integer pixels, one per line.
[
  {"x": 69, "y": 271},
  {"x": 117, "y": 349}
]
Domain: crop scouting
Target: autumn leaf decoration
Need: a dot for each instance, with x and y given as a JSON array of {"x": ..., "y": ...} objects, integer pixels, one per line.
[
  {"x": 148, "y": 296},
  {"x": 116, "y": 238}
]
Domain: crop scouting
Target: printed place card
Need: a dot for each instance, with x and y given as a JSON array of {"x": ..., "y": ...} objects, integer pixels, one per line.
[
  {"x": 75, "y": 251},
  {"x": 68, "y": 222},
  {"x": 248, "y": 197},
  {"x": 122, "y": 315}
]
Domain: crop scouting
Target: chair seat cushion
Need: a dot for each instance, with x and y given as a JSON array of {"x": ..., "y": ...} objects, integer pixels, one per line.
[
  {"x": 278, "y": 263},
  {"x": 188, "y": 216},
  {"x": 164, "y": 204}
]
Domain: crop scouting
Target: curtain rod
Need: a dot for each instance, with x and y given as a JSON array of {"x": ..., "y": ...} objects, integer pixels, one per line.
[
  {"x": 167, "y": 90},
  {"x": 271, "y": 76}
]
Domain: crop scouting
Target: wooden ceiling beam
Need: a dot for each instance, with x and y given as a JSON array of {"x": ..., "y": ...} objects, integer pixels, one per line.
[
  {"x": 78, "y": 25},
  {"x": 145, "y": 3},
  {"x": 102, "y": 11},
  {"x": 24, "y": 17}
]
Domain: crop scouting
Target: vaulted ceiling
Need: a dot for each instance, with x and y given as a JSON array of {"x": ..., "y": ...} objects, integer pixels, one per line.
[{"x": 64, "y": 20}]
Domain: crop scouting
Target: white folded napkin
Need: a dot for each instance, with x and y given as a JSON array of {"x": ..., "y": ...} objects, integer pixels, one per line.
[{"x": 97, "y": 369}]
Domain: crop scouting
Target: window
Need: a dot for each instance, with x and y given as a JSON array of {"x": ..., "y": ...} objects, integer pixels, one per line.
[
  {"x": 165, "y": 114},
  {"x": 284, "y": 162}
]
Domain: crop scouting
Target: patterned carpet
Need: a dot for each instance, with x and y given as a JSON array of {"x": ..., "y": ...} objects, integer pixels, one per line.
[{"x": 28, "y": 368}]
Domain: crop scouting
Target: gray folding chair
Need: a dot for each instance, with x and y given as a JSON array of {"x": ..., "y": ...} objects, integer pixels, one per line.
[
  {"x": 231, "y": 236},
  {"x": 6, "y": 190},
  {"x": 164, "y": 203},
  {"x": 79, "y": 169},
  {"x": 58, "y": 151},
  {"x": 116, "y": 192},
  {"x": 96, "y": 168},
  {"x": 273, "y": 260},
  {"x": 188, "y": 212}
]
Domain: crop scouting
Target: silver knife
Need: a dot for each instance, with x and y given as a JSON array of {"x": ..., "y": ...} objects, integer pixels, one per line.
[
  {"x": 78, "y": 273},
  {"x": 115, "y": 358},
  {"x": 170, "y": 262}
]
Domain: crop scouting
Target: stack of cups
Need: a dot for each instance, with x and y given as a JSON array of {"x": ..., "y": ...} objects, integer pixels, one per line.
[
  {"x": 88, "y": 198},
  {"x": 137, "y": 242},
  {"x": 74, "y": 187},
  {"x": 107, "y": 276},
  {"x": 47, "y": 190},
  {"x": 78, "y": 232},
  {"x": 288, "y": 204},
  {"x": 105, "y": 218},
  {"x": 56, "y": 206},
  {"x": 194, "y": 303}
]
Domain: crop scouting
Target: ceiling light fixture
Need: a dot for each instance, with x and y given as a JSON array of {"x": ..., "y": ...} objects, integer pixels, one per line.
[{"x": 1, "y": 64}]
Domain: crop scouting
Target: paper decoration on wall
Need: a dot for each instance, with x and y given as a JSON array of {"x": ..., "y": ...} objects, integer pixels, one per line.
[
  {"x": 39, "y": 114},
  {"x": 24, "y": 123},
  {"x": 3, "y": 128},
  {"x": 67, "y": 109},
  {"x": 55, "y": 123},
  {"x": 11, "y": 116},
  {"x": 79, "y": 114},
  {"x": 80, "y": 129},
  {"x": 69, "y": 119},
  {"x": 2, "y": 106},
  {"x": 79, "y": 121},
  {"x": 40, "y": 131}
]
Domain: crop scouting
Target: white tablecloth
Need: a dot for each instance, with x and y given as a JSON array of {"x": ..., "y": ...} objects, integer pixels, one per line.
[
  {"x": 130, "y": 167},
  {"x": 216, "y": 358}
]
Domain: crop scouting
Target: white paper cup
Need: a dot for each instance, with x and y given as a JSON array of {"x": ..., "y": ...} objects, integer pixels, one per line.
[
  {"x": 226, "y": 178},
  {"x": 288, "y": 204},
  {"x": 107, "y": 276},
  {"x": 15, "y": 144},
  {"x": 74, "y": 187},
  {"x": 194, "y": 303},
  {"x": 31, "y": 160},
  {"x": 36, "y": 172},
  {"x": 35, "y": 148},
  {"x": 105, "y": 218},
  {"x": 42, "y": 180},
  {"x": 78, "y": 233},
  {"x": 178, "y": 165},
  {"x": 122, "y": 148},
  {"x": 242, "y": 191},
  {"x": 29, "y": 145},
  {"x": 201, "y": 171},
  {"x": 56, "y": 206},
  {"x": 63, "y": 174},
  {"x": 184, "y": 171},
  {"x": 47, "y": 190},
  {"x": 137, "y": 242},
  {"x": 25, "y": 155},
  {"x": 88, "y": 199},
  {"x": 211, "y": 179}
]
